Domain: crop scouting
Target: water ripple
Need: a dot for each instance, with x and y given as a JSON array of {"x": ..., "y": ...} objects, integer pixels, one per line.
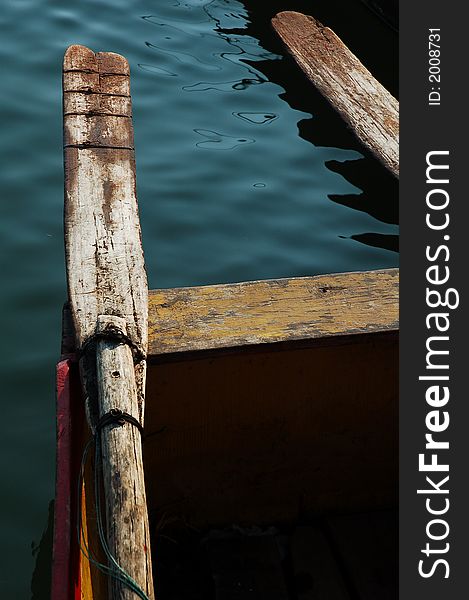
[
  {"x": 224, "y": 86},
  {"x": 175, "y": 32},
  {"x": 258, "y": 210},
  {"x": 168, "y": 20},
  {"x": 156, "y": 70},
  {"x": 184, "y": 57},
  {"x": 257, "y": 118},
  {"x": 220, "y": 141}
]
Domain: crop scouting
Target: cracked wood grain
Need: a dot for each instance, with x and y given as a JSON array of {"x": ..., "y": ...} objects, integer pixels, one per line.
[
  {"x": 107, "y": 282},
  {"x": 128, "y": 532},
  {"x": 104, "y": 257},
  {"x": 365, "y": 105}
]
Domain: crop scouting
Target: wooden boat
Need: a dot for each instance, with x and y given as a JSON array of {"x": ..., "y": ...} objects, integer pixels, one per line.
[
  {"x": 270, "y": 435},
  {"x": 267, "y": 403}
]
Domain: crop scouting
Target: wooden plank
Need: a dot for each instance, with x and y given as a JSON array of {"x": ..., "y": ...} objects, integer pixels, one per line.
[
  {"x": 368, "y": 546},
  {"x": 269, "y": 436},
  {"x": 317, "y": 574},
  {"x": 61, "y": 559},
  {"x": 365, "y": 105},
  {"x": 245, "y": 567},
  {"x": 107, "y": 286},
  {"x": 271, "y": 311}
]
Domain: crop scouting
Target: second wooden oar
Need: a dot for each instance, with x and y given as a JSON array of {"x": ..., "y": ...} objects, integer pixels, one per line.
[
  {"x": 365, "y": 105},
  {"x": 108, "y": 296}
]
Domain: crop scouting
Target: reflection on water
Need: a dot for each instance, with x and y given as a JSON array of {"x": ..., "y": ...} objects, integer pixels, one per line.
[
  {"x": 256, "y": 118},
  {"x": 41, "y": 577},
  {"x": 219, "y": 141},
  {"x": 286, "y": 196},
  {"x": 183, "y": 57},
  {"x": 223, "y": 86},
  {"x": 157, "y": 70},
  {"x": 311, "y": 217},
  {"x": 378, "y": 240}
]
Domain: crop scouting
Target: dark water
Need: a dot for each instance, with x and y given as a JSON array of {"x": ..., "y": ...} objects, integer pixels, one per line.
[{"x": 243, "y": 173}]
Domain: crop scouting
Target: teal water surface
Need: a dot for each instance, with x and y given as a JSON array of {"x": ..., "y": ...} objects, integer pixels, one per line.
[{"x": 230, "y": 189}]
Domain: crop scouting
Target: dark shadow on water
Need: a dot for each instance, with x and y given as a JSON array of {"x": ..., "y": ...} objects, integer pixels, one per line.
[
  {"x": 376, "y": 45},
  {"x": 388, "y": 10},
  {"x": 42, "y": 574},
  {"x": 380, "y": 196},
  {"x": 325, "y": 128},
  {"x": 378, "y": 240}
]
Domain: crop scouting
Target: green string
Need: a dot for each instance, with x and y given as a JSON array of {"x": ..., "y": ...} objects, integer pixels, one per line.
[{"x": 113, "y": 569}]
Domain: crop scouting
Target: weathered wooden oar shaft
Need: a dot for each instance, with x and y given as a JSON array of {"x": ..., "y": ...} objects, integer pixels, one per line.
[
  {"x": 127, "y": 522},
  {"x": 108, "y": 290},
  {"x": 365, "y": 105}
]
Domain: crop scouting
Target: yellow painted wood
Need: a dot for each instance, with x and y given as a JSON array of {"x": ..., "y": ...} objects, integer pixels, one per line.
[
  {"x": 85, "y": 571},
  {"x": 93, "y": 582},
  {"x": 280, "y": 310}
]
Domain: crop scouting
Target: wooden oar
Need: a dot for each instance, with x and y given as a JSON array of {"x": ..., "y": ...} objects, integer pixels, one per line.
[
  {"x": 108, "y": 291},
  {"x": 365, "y": 105}
]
